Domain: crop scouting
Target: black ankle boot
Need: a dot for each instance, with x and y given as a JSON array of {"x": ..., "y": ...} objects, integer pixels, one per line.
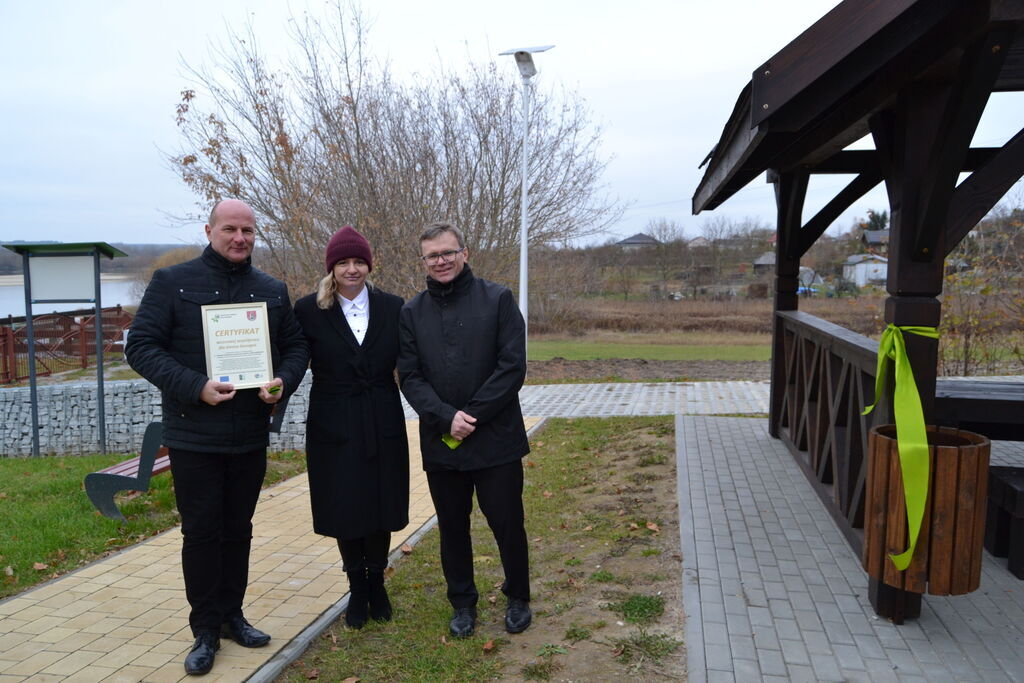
[
  {"x": 358, "y": 599},
  {"x": 380, "y": 606}
]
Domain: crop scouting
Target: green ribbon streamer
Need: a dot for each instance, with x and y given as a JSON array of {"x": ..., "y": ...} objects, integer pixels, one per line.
[
  {"x": 450, "y": 441},
  {"x": 911, "y": 437}
]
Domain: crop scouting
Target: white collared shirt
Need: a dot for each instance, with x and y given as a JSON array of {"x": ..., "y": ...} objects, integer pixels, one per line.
[{"x": 357, "y": 313}]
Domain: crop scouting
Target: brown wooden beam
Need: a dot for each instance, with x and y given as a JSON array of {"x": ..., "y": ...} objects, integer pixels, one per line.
[
  {"x": 976, "y": 195},
  {"x": 815, "y": 227},
  {"x": 965, "y": 102},
  {"x": 856, "y": 161}
]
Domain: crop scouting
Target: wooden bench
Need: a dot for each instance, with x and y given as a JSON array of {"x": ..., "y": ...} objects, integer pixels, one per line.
[
  {"x": 992, "y": 408},
  {"x": 1004, "y": 521},
  {"x": 130, "y": 475}
]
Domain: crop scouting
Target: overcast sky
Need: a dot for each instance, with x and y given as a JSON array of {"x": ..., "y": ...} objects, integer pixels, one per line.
[{"x": 87, "y": 111}]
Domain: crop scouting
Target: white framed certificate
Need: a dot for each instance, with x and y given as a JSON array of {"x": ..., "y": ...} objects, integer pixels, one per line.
[{"x": 237, "y": 340}]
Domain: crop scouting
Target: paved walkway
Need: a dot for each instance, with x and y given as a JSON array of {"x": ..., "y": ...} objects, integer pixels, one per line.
[
  {"x": 651, "y": 398},
  {"x": 770, "y": 587},
  {"x": 773, "y": 591}
]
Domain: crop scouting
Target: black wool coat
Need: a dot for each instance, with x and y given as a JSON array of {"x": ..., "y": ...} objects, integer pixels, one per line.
[
  {"x": 166, "y": 347},
  {"x": 357, "y": 452},
  {"x": 463, "y": 347}
]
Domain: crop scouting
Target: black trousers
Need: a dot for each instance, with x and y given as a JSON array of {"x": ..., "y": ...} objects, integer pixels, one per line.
[
  {"x": 499, "y": 492},
  {"x": 366, "y": 554},
  {"x": 216, "y": 495}
]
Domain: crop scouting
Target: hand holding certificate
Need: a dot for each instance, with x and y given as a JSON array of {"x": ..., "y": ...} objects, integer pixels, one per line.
[{"x": 237, "y": 343}]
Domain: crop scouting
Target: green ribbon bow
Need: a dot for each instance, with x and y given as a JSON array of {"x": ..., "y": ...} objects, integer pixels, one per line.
[{"x": 911, "y": 437}]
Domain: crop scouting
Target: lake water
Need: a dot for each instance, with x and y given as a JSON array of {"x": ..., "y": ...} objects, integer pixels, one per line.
[{"x": 112, "y": 293}]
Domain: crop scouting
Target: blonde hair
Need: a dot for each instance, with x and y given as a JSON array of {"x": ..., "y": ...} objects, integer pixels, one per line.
[{"x": 327, "y": 291}]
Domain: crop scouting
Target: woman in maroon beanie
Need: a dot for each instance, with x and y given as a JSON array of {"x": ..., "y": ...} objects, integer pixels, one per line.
[{"x": 356, "y": 448}]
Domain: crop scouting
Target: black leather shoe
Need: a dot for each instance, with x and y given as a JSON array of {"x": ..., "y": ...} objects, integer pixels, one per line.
[
  {"x": 517, "y": 615},
  {"x": 200, "y": 660},
  {"x": 243, "y": 633},
  {"x": 463, "y": 622}
]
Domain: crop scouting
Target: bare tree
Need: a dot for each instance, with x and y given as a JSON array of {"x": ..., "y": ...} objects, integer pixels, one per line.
[
  {"x": 669, "y": 255},
  {"x": 983, "y": 296},
  {"x": 333, "y": 139}
]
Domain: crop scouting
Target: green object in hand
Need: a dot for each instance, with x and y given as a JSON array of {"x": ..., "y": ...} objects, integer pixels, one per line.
[
  {"x": 450, "y": 441},
  {"x": 274, "y": 389}
]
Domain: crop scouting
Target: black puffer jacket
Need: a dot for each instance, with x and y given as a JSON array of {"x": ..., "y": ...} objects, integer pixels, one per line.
[
  {"x": 165, "y": 346},
  {"x": 463, "y": 347}
]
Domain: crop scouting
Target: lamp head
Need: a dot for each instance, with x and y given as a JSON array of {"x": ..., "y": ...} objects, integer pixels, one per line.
[
  {"x": 525, "y": 63},
  {"x": 524, "y": 59}
]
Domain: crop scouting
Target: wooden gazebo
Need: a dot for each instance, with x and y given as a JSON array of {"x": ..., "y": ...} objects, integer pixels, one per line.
[{"x": 915, "y": 75}]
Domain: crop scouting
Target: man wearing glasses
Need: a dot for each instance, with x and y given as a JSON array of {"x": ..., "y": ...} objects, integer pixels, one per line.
[{"x": 461, "y": 363}]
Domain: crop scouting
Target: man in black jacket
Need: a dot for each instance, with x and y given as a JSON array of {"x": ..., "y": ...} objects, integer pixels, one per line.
[
  {"x": 461, "y": 363},
  {"x": 217, "y": 436}
]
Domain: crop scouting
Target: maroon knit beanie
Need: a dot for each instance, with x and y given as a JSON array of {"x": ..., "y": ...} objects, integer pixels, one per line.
[{"x": 347, "y": 243}]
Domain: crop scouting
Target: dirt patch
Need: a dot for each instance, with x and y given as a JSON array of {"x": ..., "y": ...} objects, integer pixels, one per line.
[
  {"x": 633, "y": 369},
  {"x": 607, "y": 580}
]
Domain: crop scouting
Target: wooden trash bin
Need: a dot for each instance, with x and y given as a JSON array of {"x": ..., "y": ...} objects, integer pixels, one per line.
[{"x": 947, "y": 560}]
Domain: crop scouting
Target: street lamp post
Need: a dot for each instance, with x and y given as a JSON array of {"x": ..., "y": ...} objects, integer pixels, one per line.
[{"x": 524, "y": 60}]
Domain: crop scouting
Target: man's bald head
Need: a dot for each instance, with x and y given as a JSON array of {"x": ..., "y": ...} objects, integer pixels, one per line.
[{"x": 227, "y": 204}]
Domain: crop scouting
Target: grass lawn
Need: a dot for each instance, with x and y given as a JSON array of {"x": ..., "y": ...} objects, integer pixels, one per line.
[
  {"x": 50, "y": 527},
  {"x": 583, "y": 349}
]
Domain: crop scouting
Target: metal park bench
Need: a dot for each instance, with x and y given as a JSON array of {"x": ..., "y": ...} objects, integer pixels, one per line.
[
  {"x": 134, "y": 474},
  {"x": 130, "y": 475}
]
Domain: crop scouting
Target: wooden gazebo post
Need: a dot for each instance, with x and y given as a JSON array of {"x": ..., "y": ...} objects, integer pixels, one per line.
[
  {"x": 790, "y": 191},
  {"x": 920, "y": 179}
]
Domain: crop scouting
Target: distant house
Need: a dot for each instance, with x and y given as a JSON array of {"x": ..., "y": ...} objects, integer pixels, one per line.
[
  {"x": 876, "y": 241},
  {"x": 637, "y": 241},
  {"x": 764, "y": 263},
  {"x": 862, "y": 269},
  {"x": 698, "y": 243}
]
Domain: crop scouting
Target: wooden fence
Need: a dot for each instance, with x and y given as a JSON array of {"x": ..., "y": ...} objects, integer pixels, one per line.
[{"x": 63, "y": 341}]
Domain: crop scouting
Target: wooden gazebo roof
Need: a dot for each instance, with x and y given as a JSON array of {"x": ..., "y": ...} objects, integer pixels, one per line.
[{"x": 819, "y": 93}]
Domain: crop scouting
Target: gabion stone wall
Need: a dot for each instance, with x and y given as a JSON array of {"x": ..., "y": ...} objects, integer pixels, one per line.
[{"x": 69, "y": 423}]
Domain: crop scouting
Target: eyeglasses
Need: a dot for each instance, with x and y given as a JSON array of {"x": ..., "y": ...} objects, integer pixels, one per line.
[{"x": 443, "y": 257}]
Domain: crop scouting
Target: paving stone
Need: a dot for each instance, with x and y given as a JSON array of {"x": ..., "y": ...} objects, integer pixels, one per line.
[
  {"x": 826, "y": 667},
  {"x": 801, "y": 674},
  {"x": 746, "y": 669},
  {"x": 718, "y": 676},
  {"x": 738, "y": 624},
  {"x": 838, "y": 633},
  {"x": 848, "y": 656},
  {"x": 795, "y": 652},
  {"x": 771, "y": 662},
  {"x": 742, "y": 646},
  {"x": 718, "y": 656}
]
